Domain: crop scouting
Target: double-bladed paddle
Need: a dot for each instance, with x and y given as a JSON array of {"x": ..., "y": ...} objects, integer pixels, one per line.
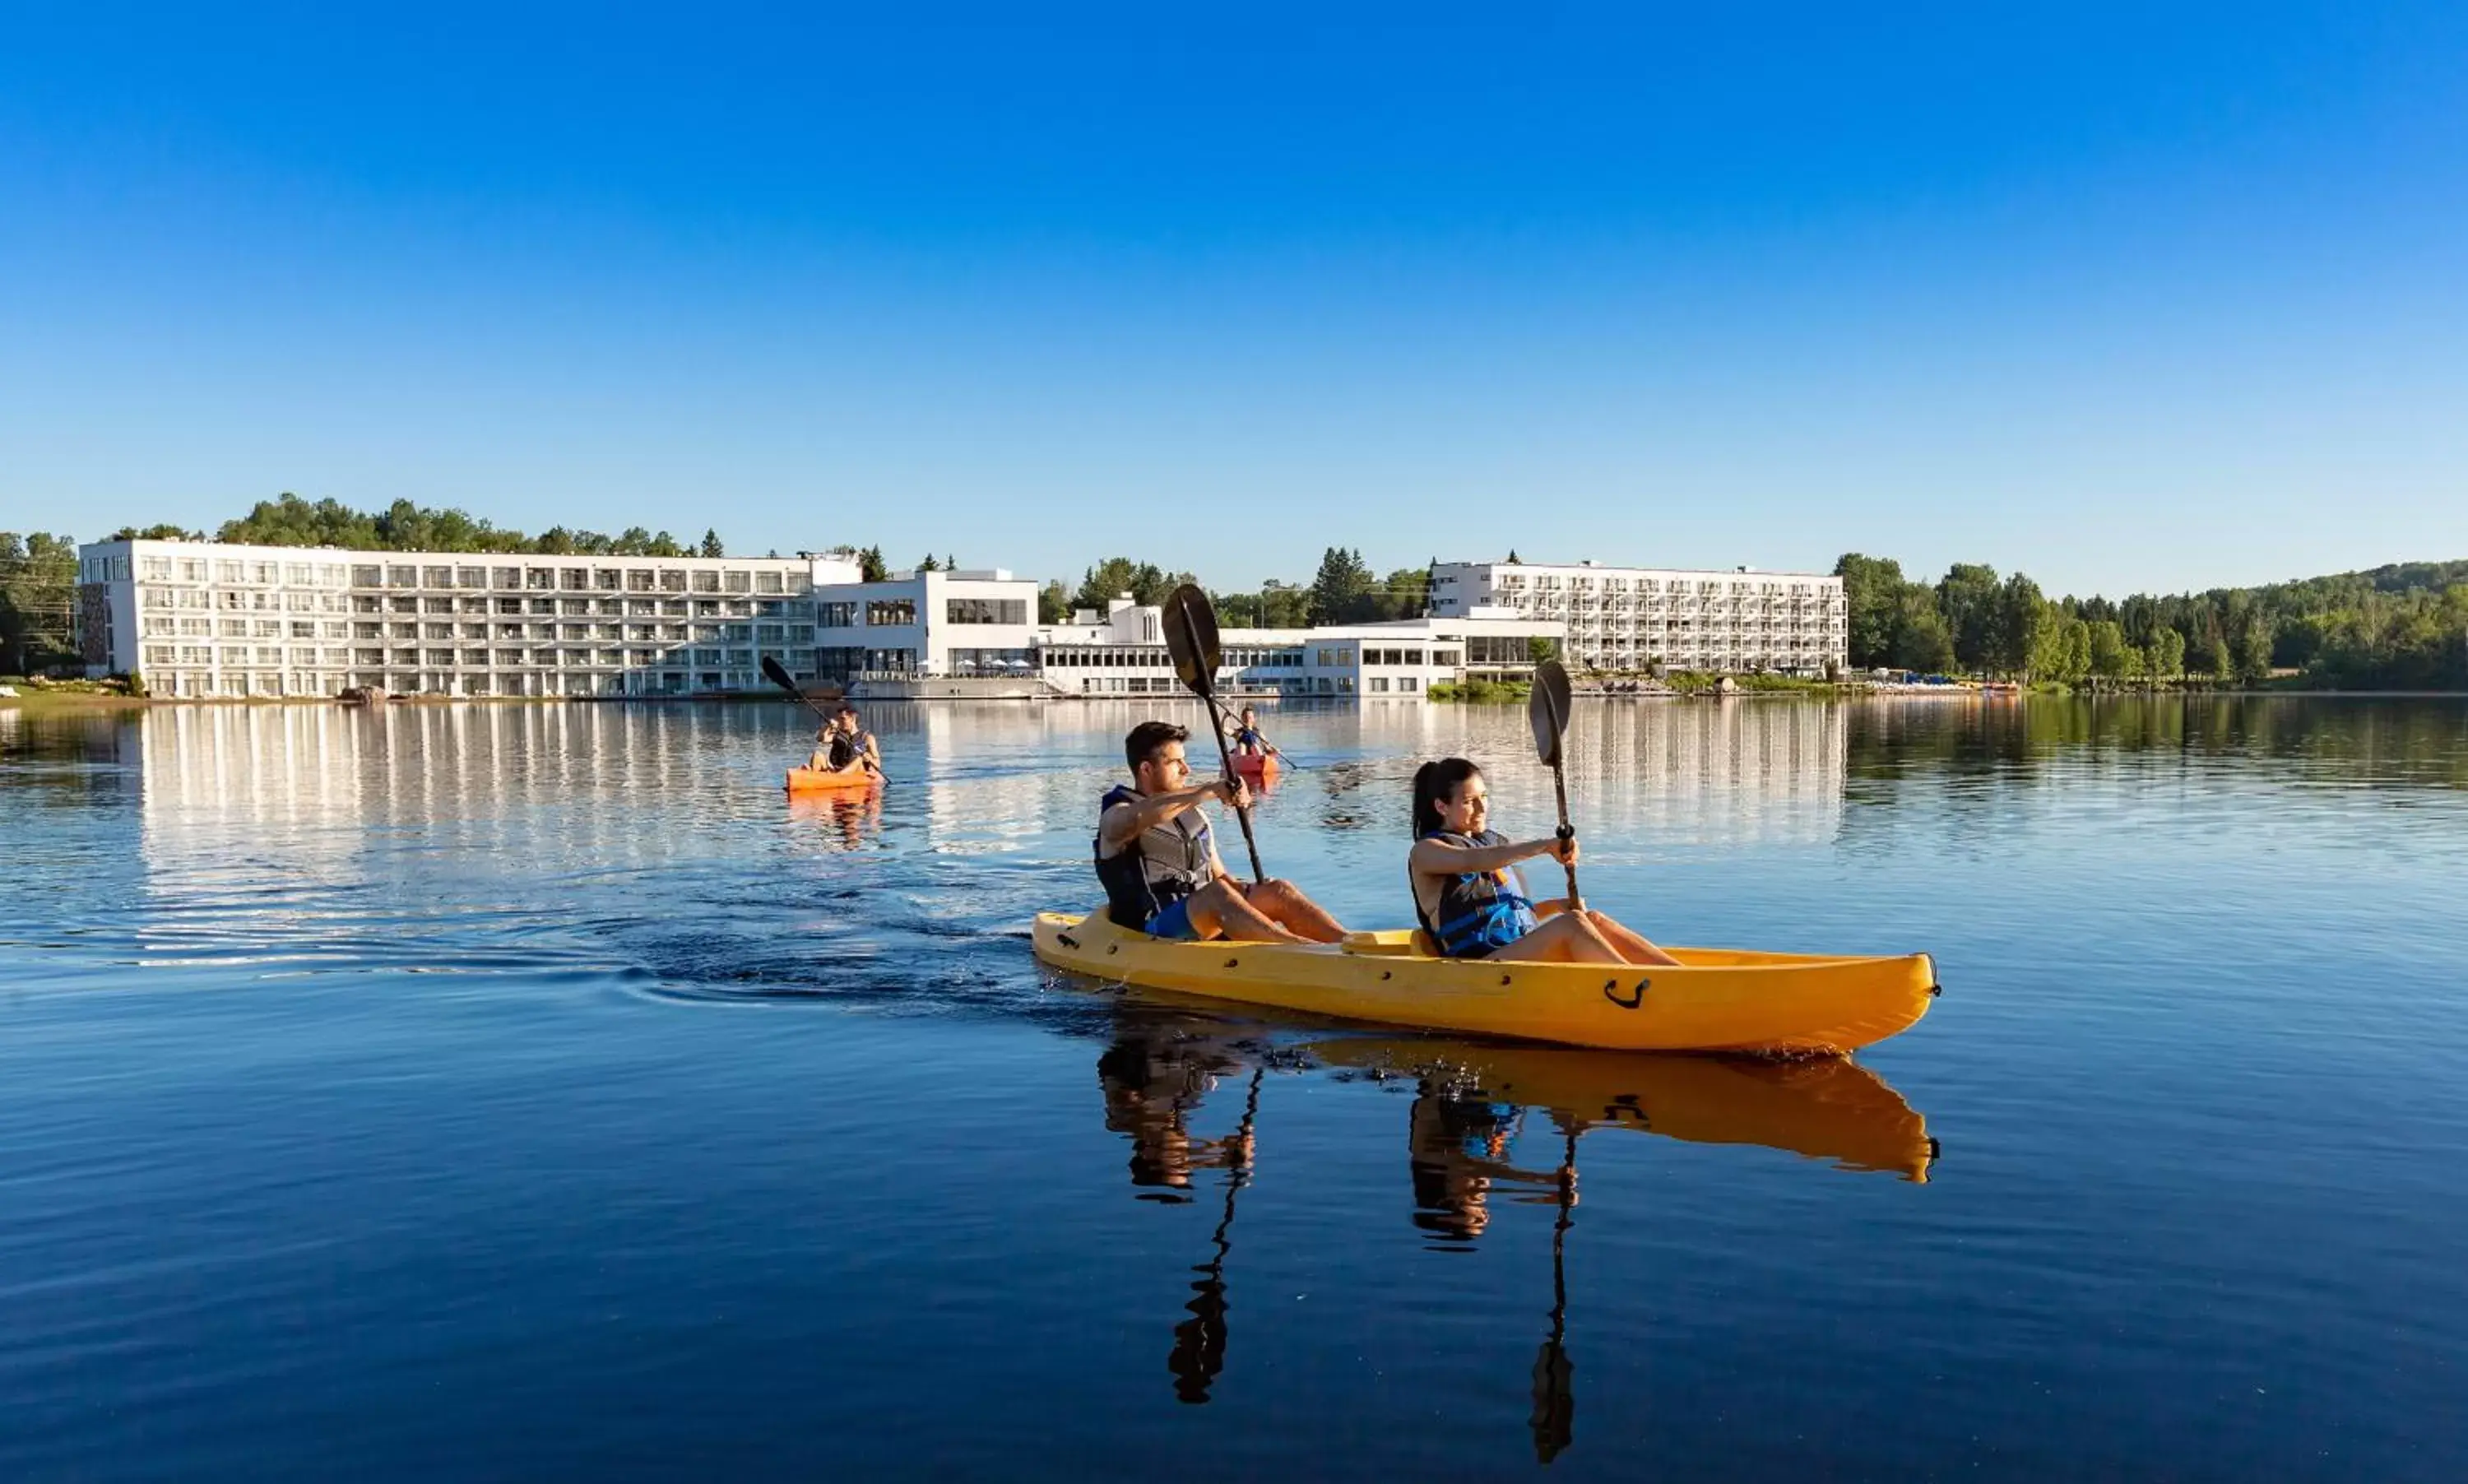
[
  {"x": 1547, "y": 708},
  {"x": 1191, "y": 638}
]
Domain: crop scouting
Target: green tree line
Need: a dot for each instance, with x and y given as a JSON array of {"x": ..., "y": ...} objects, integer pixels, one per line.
[
  {"x": 1344, "y": 591},
  {"x": 288, "y": 521},
  {"x": 2398, "y": 627},
  {"x": 38, "y": 584}
]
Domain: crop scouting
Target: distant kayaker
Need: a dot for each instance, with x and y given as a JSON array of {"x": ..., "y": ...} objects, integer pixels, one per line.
[
  {"x": 1160, "y": 866},
  {"x": 861, "y": 744},
  {"x": 830, "y": 754},
  {"x": 1469, "y": 897},
  {"x": 1249, "y": 741}
]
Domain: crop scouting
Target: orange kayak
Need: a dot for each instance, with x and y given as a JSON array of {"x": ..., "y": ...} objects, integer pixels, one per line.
[
  {"x": 807, "y": 780},
  {"x": 1258, "y": 766}
]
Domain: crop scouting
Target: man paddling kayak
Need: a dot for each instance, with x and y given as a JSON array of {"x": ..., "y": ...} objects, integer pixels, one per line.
[
  {"x": 1469, "y": 897},
  {"x": 839, "y": 747},
  {"x": 861, "y": 744},
  {"x": 1249, "y": 741},
  {"x": 1160, "y": 866}
]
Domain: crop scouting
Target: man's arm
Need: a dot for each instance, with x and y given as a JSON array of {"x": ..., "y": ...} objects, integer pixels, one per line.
[{"x": 1124, "y": 822}]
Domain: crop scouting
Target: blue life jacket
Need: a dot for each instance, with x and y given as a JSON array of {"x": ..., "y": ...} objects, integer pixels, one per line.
[
  {"x": 1164, "y": 864},
  {"x": 1480, "y": 912}
]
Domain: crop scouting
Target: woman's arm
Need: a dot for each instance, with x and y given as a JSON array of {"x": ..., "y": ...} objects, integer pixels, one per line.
[{"x": 1439, "y": 857}]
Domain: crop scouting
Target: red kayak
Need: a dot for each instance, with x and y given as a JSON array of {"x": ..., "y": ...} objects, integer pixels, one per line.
[{"x": 1259, "y": 767}]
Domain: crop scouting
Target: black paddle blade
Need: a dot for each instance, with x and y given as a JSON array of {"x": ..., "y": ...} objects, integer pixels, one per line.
[
  {"x": 1191, "y": 636},
  {"x": 1547, "y": 709},
  {"x": 777, "y": 675}
]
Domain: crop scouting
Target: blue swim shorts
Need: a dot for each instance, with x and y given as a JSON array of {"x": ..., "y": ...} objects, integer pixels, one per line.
[{"x": 1172, "y": 922}]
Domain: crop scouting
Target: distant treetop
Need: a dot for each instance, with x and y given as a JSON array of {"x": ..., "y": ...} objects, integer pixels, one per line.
[{"x": 288, "y": 521}]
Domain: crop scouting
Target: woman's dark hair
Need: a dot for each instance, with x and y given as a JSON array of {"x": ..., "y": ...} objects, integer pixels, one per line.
[
  {"x": 1147, "y": 738},
  {"x": 1434, "y": 780}
]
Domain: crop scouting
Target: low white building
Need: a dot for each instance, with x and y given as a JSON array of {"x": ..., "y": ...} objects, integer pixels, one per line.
[
  {"x": 1633, "y": 619},
  {"x": 921, "y": 624},
  {"x": 1123, "y": 651},
  {"x": 217, "y": 620}
]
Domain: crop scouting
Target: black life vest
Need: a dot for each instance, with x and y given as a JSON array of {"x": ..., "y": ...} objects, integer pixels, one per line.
[
  {"x": 1161, "y": 866},
  {"x": 844, "y": 750},
  {"x": 1480, "y": 912}
]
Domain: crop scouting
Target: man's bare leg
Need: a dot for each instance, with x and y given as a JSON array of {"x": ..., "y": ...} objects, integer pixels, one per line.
[
  {"x": 1219, "y": 911},
  {"x": 1293, "y": 911}
]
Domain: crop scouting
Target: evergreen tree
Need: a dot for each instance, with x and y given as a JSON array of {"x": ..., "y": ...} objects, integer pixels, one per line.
[
  {"x": 711, "y": 546},
  {"x": 1342, "y": 591}
]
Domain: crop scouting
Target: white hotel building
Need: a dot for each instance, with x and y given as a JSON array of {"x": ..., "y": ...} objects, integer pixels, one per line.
[
  {"x": 1637, "y": 618},
  {"x": 212, "y": 620},
  {"x": 1123, "y": 651}
]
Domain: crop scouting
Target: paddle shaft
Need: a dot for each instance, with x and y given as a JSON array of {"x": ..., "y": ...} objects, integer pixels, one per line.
[
  {"x": 1242, "y": 815},
  {"x": 1560, "y": 791},
  {"x": 1204, "y": 684}
]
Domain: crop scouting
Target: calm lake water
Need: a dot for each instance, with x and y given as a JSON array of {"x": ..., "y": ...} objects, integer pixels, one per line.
[{"x": 524, "y": 1092}]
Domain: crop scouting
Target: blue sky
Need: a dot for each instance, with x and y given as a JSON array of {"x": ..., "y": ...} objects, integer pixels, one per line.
[{"x": 2125, "y": 297}]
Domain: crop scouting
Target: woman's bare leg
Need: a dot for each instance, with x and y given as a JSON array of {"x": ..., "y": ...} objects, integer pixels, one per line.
[
  {"x": 1565, "y": 939},
  {"x": 1632, "y": 944}
]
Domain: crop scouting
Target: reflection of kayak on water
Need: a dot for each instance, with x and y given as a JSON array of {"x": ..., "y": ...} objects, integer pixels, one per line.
[
  {"x": 1716, "y": 999},
  {"x": 1828, "y": 1108}
]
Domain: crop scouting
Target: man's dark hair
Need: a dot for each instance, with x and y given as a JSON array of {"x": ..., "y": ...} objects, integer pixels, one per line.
[
  {"x": 847, "y": 710},
  {"x": 1147, "y": 738}
]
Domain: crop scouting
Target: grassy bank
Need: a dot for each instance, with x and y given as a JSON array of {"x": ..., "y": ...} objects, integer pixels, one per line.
[
  {"x": 1686, "y": 682},
  {"x": 1481, "y": 690}
]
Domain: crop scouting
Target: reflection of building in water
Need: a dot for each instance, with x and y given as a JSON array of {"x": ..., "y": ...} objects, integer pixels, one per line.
[
  {"x": 300, "y": 795},
  {"x": 1729, "y": 773}
]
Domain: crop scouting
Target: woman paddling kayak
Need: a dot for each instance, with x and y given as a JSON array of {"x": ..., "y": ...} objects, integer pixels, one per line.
[{"x": 1469, "y": 897}]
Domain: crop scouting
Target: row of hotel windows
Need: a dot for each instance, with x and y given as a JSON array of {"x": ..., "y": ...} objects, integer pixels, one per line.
[
  {"x": 278, "y": 684},
  {"x": 1550, "y": 583},
  {"x": 200, "y": 657},
  {"x": 328, "y": 573},
  {"x": 162, "y": 626},
  {"x": 157, "y": 599},
  {"x": 902, "y": 612}
]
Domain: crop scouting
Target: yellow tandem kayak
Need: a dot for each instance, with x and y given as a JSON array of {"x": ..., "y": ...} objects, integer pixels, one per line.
[{"x": 1718, "y": 999}]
